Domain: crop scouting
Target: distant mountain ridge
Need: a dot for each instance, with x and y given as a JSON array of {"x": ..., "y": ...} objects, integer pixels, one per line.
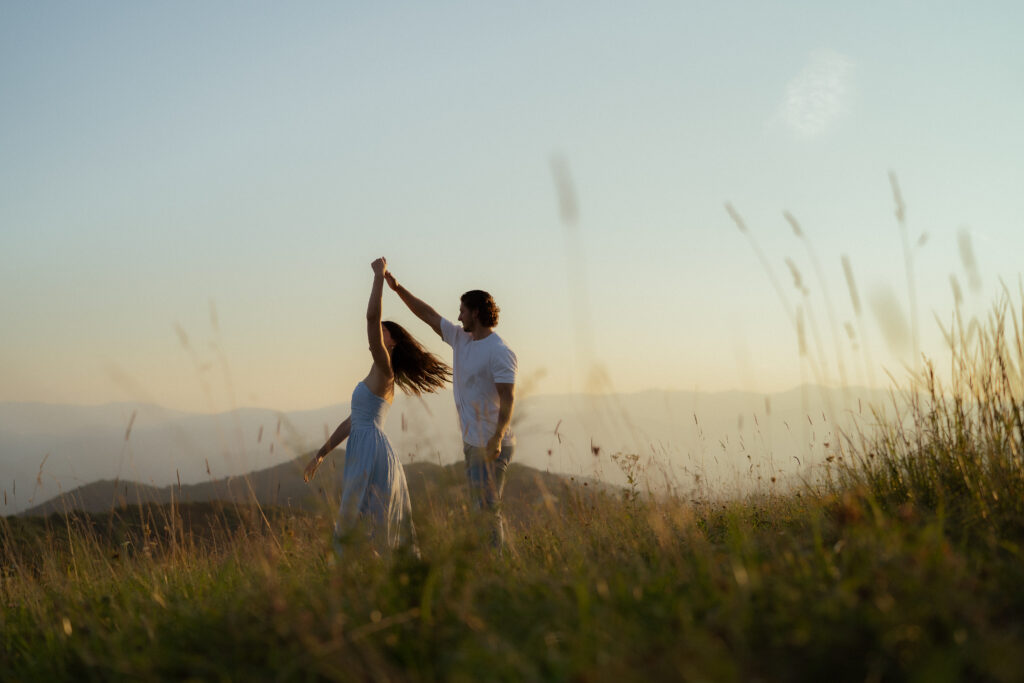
[
  {"x": 46, "y": 449},
  {"x": 282, "y": 486}
]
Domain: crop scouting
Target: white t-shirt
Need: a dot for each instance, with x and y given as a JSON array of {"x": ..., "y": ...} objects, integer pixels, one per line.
[{"x": 477, "y": 366}]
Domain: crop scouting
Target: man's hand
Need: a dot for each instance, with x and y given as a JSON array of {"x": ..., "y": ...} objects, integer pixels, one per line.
[
  {"x": 392, "y": 282},
  {"x": 493, "y": 448},
  {"x": 311, "y": 468},
  {"x": 380, "y": 266}
]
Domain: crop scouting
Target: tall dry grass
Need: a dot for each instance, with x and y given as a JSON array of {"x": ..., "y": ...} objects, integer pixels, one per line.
[{"x": 901, "y": 562}]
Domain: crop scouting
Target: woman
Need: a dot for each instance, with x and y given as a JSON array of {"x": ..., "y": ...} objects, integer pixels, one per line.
[{"x": 375, "y": 492}]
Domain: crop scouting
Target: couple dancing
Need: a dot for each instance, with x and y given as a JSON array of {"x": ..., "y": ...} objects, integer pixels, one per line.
[{"x": 375, "y": 495}]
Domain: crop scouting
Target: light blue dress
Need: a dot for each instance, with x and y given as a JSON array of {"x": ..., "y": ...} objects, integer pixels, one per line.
[{"x": 375, "y": 496}]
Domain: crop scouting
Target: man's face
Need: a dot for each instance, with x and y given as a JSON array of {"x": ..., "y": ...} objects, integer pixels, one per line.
[{"x": 467, "y": 317}]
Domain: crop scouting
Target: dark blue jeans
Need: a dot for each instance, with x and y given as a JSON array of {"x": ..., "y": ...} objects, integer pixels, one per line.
[{"x": 486, "y": 480}]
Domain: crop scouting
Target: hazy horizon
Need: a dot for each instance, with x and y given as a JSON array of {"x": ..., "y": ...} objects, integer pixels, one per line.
[
  {"x": 597, "y": 393},
  {"x": 731, "y": 439}
]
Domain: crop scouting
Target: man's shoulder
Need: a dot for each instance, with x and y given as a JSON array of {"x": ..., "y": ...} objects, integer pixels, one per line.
[
  {"x": 499, "y": 345},
  {"x": 495, "y": 339},
  {"x": 452, "y": 333}
]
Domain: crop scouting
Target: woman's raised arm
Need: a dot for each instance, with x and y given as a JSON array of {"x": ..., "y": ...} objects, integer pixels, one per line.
[{"x": 381, "y": 358}]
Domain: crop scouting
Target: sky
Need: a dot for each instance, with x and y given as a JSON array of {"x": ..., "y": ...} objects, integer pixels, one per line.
[{"x": 191, "y": 193}]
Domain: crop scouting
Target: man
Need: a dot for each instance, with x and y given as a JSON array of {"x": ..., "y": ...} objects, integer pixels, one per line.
[{"x": 484, "y": 378}]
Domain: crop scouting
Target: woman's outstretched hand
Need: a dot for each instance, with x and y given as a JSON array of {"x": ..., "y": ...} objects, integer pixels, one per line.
[
  {"x": 392, "y": 282},
  {"x": 311, "y": 468},
  {"x": 380, "y": 266}
]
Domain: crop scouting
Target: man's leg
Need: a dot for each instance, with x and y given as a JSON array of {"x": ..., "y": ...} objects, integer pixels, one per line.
[{"x": 486, "y": 481}]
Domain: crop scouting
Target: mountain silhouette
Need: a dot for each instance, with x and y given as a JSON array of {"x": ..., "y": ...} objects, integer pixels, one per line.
[{"x": 282, "y": 486}]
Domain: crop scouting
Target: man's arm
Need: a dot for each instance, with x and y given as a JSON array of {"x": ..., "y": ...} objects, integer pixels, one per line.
[
  {"x": 420, "y": 309},
  {"x": 506, "y": 402}
]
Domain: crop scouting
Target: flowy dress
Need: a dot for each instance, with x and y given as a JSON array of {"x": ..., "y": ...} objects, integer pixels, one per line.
[{"x": 375, "y": 495}]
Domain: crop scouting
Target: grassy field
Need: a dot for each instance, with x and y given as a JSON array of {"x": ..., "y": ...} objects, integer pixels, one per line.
[{"x": 902, "y": 561}]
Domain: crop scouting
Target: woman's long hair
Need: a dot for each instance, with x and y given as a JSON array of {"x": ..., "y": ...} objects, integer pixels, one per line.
[{"x": 416, "y": 370}]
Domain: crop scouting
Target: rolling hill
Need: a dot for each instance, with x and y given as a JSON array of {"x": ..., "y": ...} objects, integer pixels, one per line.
[
  {"x": 724, "y": 440},
  {"x": 282, "y": 486}
]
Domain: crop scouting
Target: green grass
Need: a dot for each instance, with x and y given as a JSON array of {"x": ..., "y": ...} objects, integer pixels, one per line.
[
  {"x": 902, "y": 562},
  {"x": 792, "y": 589}
]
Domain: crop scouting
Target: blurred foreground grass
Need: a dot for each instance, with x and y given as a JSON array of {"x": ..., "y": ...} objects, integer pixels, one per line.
[{"x": 901, "y": 562}]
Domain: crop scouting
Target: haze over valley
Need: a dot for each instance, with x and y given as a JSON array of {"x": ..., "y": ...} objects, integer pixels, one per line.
[{"x": 49, "y": 449}]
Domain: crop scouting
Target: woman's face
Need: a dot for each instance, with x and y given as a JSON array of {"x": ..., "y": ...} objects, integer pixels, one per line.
[{"x": 388, "y": 342}]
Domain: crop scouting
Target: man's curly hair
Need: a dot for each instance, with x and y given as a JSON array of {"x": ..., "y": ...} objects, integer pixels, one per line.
[{"x": 483, "y": 303}]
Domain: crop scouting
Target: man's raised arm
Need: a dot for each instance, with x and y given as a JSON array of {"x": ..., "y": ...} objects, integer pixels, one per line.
[{"x": 420, "y": 309}]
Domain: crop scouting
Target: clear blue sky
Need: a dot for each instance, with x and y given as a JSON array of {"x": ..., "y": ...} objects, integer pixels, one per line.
[{"x": 157, "y": 157}]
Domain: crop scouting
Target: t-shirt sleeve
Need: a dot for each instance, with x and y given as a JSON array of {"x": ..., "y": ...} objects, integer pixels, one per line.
[
  {"x": 449, "y": 331},
  {"x": 504, "y": 365}
]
